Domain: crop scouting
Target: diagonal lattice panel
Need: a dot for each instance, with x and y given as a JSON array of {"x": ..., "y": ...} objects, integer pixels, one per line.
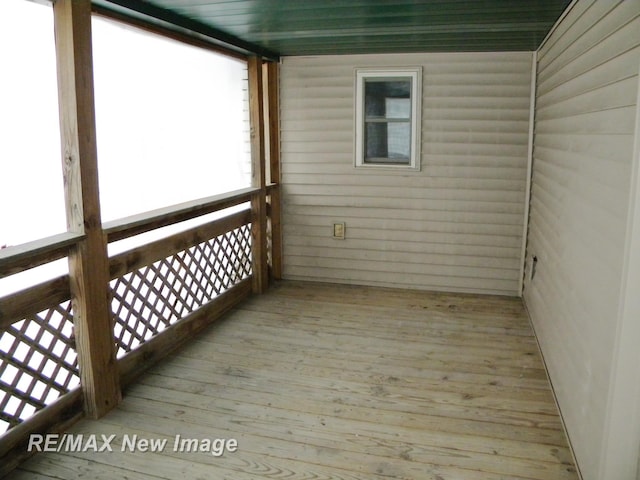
[
  {"x": 269, "y": 243},
  {"x": 38, "y": 363},
  {"x": 148, "y": 300}
]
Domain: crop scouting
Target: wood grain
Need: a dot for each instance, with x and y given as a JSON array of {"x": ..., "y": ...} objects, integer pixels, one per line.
[
  {"x": 160, "y": 249},
  {"x": 258, "y": 176},
  {"x": 154, "y": 349},
  {"x": 57, "y": 417},
  {"x": 15, "y": 259},
  {"x": 32, "y": 300},
  {"x": 88, "y": 264},
  {"x": 275, "y": 202},
  {"x": 318, "y": 381},
  {"x": 162, "y": 217}
]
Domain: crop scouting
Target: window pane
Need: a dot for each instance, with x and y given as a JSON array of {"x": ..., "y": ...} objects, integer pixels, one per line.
[
  {"x": 388, "y": 98},
  {"x": 171, "y": 121},
  {"x": 31, "y": 191},
  {"x": 399, "y": 140},
  {"x": 388, "y": 142},
  {"x": 398, "y": 108}
]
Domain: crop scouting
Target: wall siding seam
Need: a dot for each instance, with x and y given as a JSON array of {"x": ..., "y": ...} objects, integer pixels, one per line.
[
  {"x": 591, "y": 46},
  {"x": 545, "y": 88}
]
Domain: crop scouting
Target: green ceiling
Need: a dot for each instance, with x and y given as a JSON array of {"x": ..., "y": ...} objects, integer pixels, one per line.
[{"x": 319, "y": 27}]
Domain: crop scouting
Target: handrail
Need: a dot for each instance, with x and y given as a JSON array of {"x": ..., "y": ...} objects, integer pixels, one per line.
[
  {"x": 18, "y": 258},
  {"x": 133, "y": 259},
  {"x": 271, "y": 187},
  {"x": 162, "y": 217}
]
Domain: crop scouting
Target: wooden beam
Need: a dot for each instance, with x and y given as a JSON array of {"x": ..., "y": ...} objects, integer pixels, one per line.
[
  {"x": 273, "y": 123},
  {"x": 32, "y": 254},
  {"x": 154, "y": 14},
  {"x": 18, "y": 305},
  {"x": 162, "y": 217},
  {"x": 151, "y": 252},
  {"x": 190, "y": 38},
  {"x": 273, "y": 120},
  {"x": 258, "y": 176},
  {"x": 88, "y": 264}
]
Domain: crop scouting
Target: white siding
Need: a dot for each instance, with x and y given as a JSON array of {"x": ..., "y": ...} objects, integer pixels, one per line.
[
  {"x": 457, "y": 224},
  {"x": 583, "y": 153}
]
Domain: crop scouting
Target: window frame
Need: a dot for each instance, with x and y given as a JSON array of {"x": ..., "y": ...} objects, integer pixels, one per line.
[{"x": 414, "y": 75}]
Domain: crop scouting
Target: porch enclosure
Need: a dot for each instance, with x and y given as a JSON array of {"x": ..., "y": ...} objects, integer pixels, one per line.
[
  {"x": 528, "y": 186},
  {"x": 73, "y": 342}
]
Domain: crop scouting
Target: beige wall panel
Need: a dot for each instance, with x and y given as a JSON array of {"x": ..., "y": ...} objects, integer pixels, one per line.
[
  {"x": 455, "y": 225},
  {"x": 583, "y": 152}
]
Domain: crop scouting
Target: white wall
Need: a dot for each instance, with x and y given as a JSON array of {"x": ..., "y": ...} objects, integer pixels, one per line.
[
  {"x": 579, "y": 225},
  {"x": 457, "y": 224},
  {"x": 622, "y": 425}
]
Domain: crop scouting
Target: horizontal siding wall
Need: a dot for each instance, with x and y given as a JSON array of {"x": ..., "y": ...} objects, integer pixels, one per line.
[
  {"x": 584, "y": 132},
  {"x": 457, "y": 224}
]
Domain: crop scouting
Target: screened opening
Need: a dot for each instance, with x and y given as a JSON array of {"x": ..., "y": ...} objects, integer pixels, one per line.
[
  {"x": 171, "y": 119},
  {"x": 32, "y": 190}
]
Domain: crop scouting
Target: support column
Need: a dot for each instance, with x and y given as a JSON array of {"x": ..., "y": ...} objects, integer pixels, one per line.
[
  {"x": 258, "y": 176},
  {"x": 88, "y": 262},
  {"x": 273, "y": 122}
]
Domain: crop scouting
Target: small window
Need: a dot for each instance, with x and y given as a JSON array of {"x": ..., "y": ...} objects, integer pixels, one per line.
[{"x": 387, "y": 118}]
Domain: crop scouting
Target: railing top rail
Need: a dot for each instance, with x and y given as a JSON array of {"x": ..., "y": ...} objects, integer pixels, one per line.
[
  {"x": 32, "y": 254},
  {"x": 158, "y": 249},
  {"x": 16, "y": 259},
  {"x": 162, "y": 217}
]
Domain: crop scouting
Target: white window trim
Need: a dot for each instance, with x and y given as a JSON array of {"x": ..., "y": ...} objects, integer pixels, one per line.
[{"x": 415, "y": 75}]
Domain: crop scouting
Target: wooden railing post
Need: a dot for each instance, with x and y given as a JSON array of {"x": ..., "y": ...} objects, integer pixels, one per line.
[
  {"x": 258, "y": 176},
  {"x": 88, "y": 263},
  {"x": 273, "y": 123}
]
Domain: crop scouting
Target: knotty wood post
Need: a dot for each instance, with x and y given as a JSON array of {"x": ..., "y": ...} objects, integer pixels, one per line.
[
  {"x": 258, "y": 176},
  {"x": 273, "y": 117},
  {"x": 88, "y": 263}
]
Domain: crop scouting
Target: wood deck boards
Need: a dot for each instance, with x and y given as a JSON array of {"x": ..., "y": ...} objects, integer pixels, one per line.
[{"x": 320, "y": 381}]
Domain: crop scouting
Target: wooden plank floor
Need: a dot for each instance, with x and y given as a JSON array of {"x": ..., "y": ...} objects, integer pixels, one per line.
[{"x": 320, "y": 381}]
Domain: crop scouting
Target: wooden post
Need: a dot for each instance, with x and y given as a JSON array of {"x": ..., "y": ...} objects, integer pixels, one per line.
[
  {"x": 273, "y": 115},
  {"x": 258, "y": 176},
  {"x": 88, "y": 263}
]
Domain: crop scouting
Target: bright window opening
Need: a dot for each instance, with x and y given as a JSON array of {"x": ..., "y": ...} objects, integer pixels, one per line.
[
  {"x": 31, "y": 186},
  {"x": 172, "y": 122}
]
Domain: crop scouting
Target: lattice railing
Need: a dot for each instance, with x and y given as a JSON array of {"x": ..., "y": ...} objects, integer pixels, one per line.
[
  {"x": 152, "y": 297},
  {"x": 154, "y": 287},
  {"x": 269, "y": 245},
  {"x": 38, "y": 363}
]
